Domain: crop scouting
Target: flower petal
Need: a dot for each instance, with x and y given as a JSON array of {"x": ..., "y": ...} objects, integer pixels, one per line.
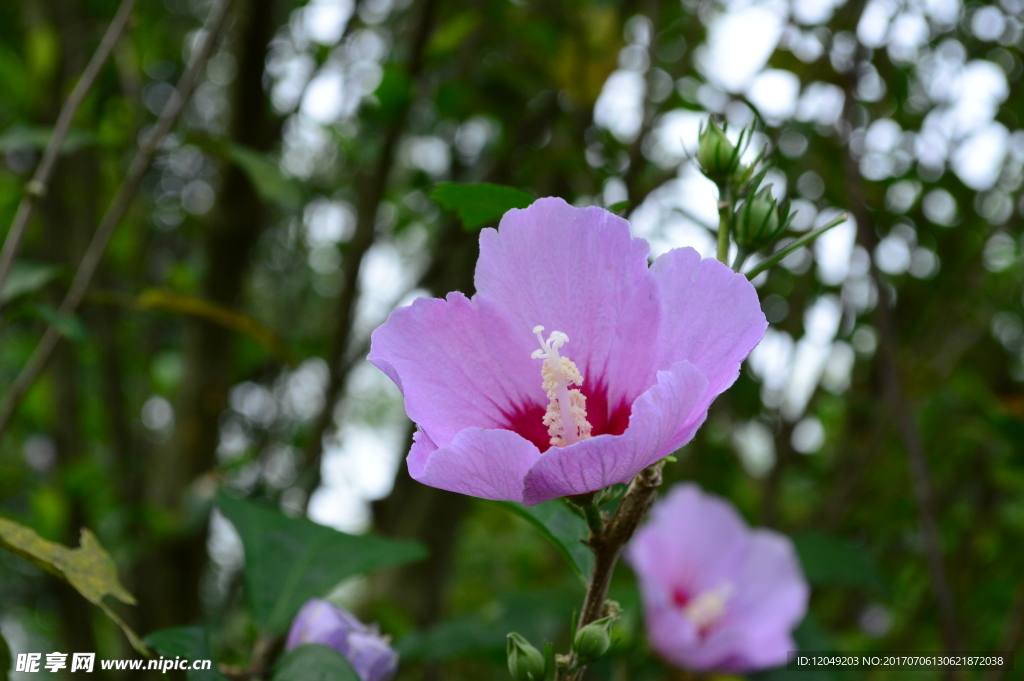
[
  {"x": 657, "y": 416},
  {"x": 459, "y": 363},
  {"x": 773, "y": 593},
  {"x": 489, "y": 464},
  {"x": 711, "y": 316},
  {"x": 699, "y": 539},
  {"x": 577, "y": 270}
]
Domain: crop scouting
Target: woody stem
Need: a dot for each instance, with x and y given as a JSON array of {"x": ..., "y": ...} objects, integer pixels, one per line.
[{"x": 607, "y": 545}]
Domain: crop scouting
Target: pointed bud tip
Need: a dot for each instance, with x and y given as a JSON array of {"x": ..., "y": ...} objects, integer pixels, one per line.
[
  {"x": 593, "y": 641},
  {"x": 525, "y": 663}
]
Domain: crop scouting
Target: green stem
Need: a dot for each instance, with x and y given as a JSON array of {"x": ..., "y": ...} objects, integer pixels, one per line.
[
  {"x": 724, "y": 221},
  {"x": 741, "y": 257},
  {"x": 594, "y": 520},
  {"x": 802, "y": 241}
]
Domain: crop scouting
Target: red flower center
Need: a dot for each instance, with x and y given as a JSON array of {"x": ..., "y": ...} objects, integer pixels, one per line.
[{"x": 527, "y": 420}]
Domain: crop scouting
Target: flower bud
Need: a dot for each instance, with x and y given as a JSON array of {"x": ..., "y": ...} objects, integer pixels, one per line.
[
  {"x": 525, "y": 663},
  {"x": 715, "y": 153},
  {"x": 593, "y": 641},
  {"x": 758, "y": 224}
]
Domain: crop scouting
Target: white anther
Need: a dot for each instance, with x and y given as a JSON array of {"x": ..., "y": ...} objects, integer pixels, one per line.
[{"x": 566, "y": 416}]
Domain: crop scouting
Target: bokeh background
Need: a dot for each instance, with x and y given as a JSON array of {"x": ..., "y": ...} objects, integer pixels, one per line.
[{"x": 880, "y": 422}]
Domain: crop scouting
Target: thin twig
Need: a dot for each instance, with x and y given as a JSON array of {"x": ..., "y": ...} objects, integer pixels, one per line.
[
  {"x": 37, "y": 187},
  {"x": 118, "y": 207},
  {"x": 900, "y": 406},
  {"x": 371, "y": 194}
]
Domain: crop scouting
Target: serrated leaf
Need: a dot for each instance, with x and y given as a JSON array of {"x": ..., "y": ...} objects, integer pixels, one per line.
[
  {"x": 314, "y": 662},
  {"x": 563, "y": 528},
  {"x": 26, "y": 277},
  {"x": 479, "y": 204},
  {"x": 266, "y": 177},
  {"x": 89, "y": 569},
  {"x": 290, "y": 560},
  {"x": 189, "y": 643},
  {"x": 5, "y": 659},
  {"x": 832, "y": 561}
]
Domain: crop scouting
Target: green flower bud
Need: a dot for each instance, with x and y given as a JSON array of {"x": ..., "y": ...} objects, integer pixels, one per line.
[
  {"x": 593, "y": 640},
  {"x": 715, "y": 153},
  {"x": 525, "y": 663},
  {"x": 758, "y": 223}
]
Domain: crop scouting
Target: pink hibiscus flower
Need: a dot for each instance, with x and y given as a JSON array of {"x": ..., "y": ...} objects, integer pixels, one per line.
[
  {"x": 634, "y": 357},
  {"x": 717, "y": 595}
]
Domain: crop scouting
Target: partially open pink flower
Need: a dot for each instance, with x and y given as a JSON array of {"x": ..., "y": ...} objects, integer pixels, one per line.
[
  {"x": 369, "y": 653},
  {"x": 717, "y": 595},
  {"x": 633, "y": 358}
]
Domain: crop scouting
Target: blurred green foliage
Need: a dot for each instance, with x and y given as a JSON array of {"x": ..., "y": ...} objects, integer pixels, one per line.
[{"x": 310, "y": 188}]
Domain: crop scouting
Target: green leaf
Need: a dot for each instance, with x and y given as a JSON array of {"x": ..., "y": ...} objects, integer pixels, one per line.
[
  {"x": 67, "y": 325},
  {"x": 161, "y": 299},
  {"x": 479, "y": 204},
  {"x": 290, "y": 560},
  {"x": 561, "y": 527},
  {"x": 26, "y": 277},
  {"x": 314, "y": 662},
  {"x": 5, "y": 658},
  {"x": 538, "y": 615},
  {"x": 619, "y": 207},
  {"x": 829, "y": 560},
  {"x": 189, "y": 643},
  {"x": 89, "y": 568},
  {"x": 37, "y": 137},
  {"x": 267, "y": 178},
  {"x": 393, "y": 93},
  {"x": 452, "y": 34}
]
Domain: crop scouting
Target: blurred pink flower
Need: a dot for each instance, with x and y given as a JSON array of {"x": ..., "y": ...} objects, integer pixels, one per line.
[
  {"x": 369, "y": 653},
  {"x": 634, "y": 358},
  {"x": 717, "y": 595}
]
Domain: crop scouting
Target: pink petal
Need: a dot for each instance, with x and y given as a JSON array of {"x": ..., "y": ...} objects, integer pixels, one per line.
[
  {"x": 700, "y": 540},
  {"x": 577, "y": 270},
  {"x": 459, "y": 363},
  {"x": 657, "y": 416},
  {"x": 773, "y": 593},
  {"x": 711, "y": 316},
  {"x": 489, "y": 464}
]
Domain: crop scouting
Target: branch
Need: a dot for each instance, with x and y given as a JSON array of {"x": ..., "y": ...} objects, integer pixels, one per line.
[
  {"x": 117, "y": 208},
  {"x": 901, "y": 409},
  {"x": 39, "y": 184},
  {"x": 607, "y": 545},
  {"x": 370, "y": 195}
]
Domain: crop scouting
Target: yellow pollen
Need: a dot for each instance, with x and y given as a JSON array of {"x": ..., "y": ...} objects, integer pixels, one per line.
[
  {"x": 566, "y": 416},
  {"x": 708, "y": 607}
]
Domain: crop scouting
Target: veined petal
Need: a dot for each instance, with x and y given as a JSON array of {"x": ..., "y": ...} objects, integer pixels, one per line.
[
  {"x": 579, "y": 271},
  {"x": 711, "y": 316},
  {"x": 459, "y": 363},
  {"x": 489, "y": 464},
  {"x": 657, "y": 416}
]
